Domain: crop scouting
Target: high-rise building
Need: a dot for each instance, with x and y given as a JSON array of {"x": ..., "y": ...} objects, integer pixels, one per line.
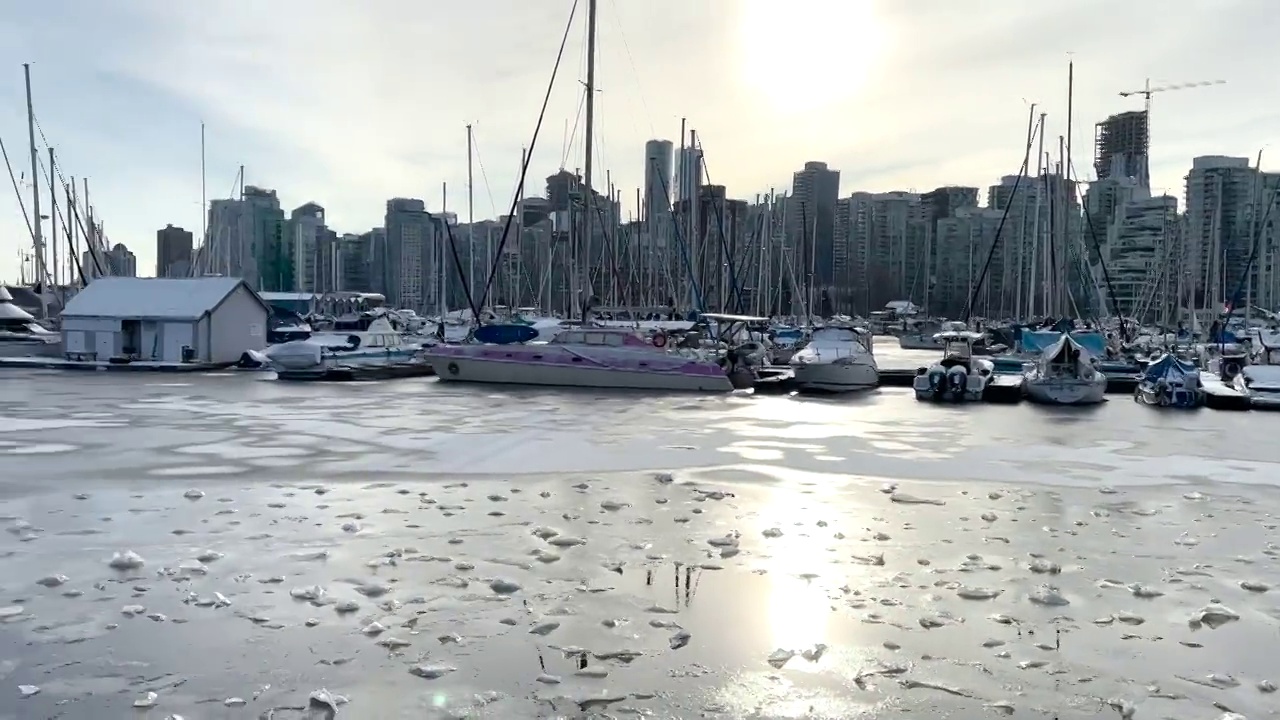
[
  {"x": 374, "y": 249},
  {"x": 267, "y": 244},
  {"x": 1227, "y": 218},
  {"x": 657, "y": 182},
  {"x": 173, "y": 252},
  {"x": 810, "y": 227},
  {"x": 412, "y": 255},
  {"x": 116, "y": 262},
  {"x": 963, "y": 243},
  {"x": 688, "y": 174},
  {"x": 1121, "y": 147},
  {"x": 1139, "y": 255},
  {"x": 305, "y": 236},
  {"x": 246, "y": 240},
  {"x": 882, "y": 250},
  {"x": 346, "y": 265},
  {"x": 1042, "y": 257},
  {"x": 944, "y": 201}
]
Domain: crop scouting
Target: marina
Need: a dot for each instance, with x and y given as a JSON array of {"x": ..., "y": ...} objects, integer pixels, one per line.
[{"x": 394, "y": 431}]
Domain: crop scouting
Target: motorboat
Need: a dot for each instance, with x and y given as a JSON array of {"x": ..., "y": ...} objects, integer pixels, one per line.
[
  {"x": 919, "y": 336},
  {"x": 836, "y": 359},
  {"x": 959, "y": 376},
  {"x": 1256, "y": 378},
  {"x": 588, "y": 357},
  {"x": 1170, "y": 381},
  {"x": 1066, "y": 373},
  {"x": 786, "y": 341},
  {"x": 21, "y": 335},
  {"x": 1260, "y": 385},
  {"x": 379, "y": 343}
]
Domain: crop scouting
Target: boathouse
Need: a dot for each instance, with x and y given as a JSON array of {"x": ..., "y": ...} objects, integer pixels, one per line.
[{"x": 210, "y": 320}]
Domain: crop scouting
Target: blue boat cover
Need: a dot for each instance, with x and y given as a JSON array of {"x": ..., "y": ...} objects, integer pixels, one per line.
[
  {"x": 505, "y": 334},
  {"x": 1036, "y": 342},
  {"x": 1168, "y": 365}
]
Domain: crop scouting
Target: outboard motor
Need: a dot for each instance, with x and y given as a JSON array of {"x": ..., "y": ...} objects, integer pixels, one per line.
[
  {"x": 958, "y": 380},
  {"x": 1164, "y": 392},
  {"x": 937, "y": 380}
]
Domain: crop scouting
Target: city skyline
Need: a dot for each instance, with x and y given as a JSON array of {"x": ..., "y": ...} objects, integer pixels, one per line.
[{"x": 929, "y": 97}]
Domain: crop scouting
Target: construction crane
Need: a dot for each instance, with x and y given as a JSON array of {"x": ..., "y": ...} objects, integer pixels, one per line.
[{"x": 1147, "y": 91}]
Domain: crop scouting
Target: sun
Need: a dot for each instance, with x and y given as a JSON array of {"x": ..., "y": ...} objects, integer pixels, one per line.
[{"x": 807, "y": 54}]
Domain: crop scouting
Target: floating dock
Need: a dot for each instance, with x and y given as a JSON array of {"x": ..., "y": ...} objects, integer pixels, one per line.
[
  {"x": 359, "y": 373},
  {"x": 45, "y": 363},
  {"x": 1006, "y": 389},
  {"x": 1220, "y": 396}
]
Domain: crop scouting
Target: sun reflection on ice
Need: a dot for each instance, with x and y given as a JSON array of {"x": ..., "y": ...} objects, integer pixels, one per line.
[{"x": 797, "y": 543}]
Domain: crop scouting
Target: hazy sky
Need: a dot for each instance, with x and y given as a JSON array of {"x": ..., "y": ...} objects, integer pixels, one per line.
[{"x": 349, "y": 103}]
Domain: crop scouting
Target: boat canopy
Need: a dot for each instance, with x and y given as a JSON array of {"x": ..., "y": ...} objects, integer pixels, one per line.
[
  {"x": 734, "y": 318},
  {"x": 1167, "y": 365},
  {"x": 1036, "y": 342},
  {"x": 964, "y": 336},
  {"x": 1068, "y": 350}
]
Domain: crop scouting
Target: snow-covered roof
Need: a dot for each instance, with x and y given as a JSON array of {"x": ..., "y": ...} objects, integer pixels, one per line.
[
  {"x": 289, "y": 296},
  {"x": 163, "y": 298}
]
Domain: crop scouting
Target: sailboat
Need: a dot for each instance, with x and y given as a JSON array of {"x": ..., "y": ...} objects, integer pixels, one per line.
[
  {"x": 595, "y": 357},
  {"x": 1066, "y": 373}
]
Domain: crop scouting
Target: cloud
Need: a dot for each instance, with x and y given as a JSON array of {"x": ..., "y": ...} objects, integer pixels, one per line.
[{"x": 348, "y": 104}]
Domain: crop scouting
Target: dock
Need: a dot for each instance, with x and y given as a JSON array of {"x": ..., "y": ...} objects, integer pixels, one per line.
[
  {"x": 49, "y": 363},
  {"x": 1005, "y": 389},
  {"x": 1220, "y": 396},
  {"x": 360, "y": 373}
]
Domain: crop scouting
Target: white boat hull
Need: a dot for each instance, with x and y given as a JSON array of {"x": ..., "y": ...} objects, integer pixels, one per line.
[
  {"x": 1066, "y": 391},
  {"x": 303, "y": 358},
  {"x": 29, "y": 347},
  {"x": 452, "y": 368},
  {"x": 917, "y": 342},
  {"x": 1263, "y": 398},
  {"x": 835, "y": 377}
]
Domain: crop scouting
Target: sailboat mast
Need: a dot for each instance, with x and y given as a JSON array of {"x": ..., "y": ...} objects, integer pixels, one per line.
[
  {"x": 204, "y": 202},
  {"x": 589, "y": 149},
  {"x": 1068, "y": 216},
  {"x": 471, "y": 226},
  {"x": 1022, "y": 235},
  {"x": 53, "y": 220},
  {"x": 38, "y": 236},
  {"x": 1032, "y": 288},
  {"x": 442, "y": 301}
]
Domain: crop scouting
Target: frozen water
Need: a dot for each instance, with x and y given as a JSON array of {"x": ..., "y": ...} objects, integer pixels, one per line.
[{"x": 527, "y": 553}]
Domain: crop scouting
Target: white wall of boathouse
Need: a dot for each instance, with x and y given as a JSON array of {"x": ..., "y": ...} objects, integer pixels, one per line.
[{"x": 152, "y": 320}]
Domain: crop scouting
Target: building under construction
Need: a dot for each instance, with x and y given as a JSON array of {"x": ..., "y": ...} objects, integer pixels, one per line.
[{"x": 1121, "y": 143}]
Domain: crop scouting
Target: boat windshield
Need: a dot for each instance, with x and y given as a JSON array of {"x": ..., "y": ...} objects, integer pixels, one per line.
[{"x": 590, "y": 337}]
